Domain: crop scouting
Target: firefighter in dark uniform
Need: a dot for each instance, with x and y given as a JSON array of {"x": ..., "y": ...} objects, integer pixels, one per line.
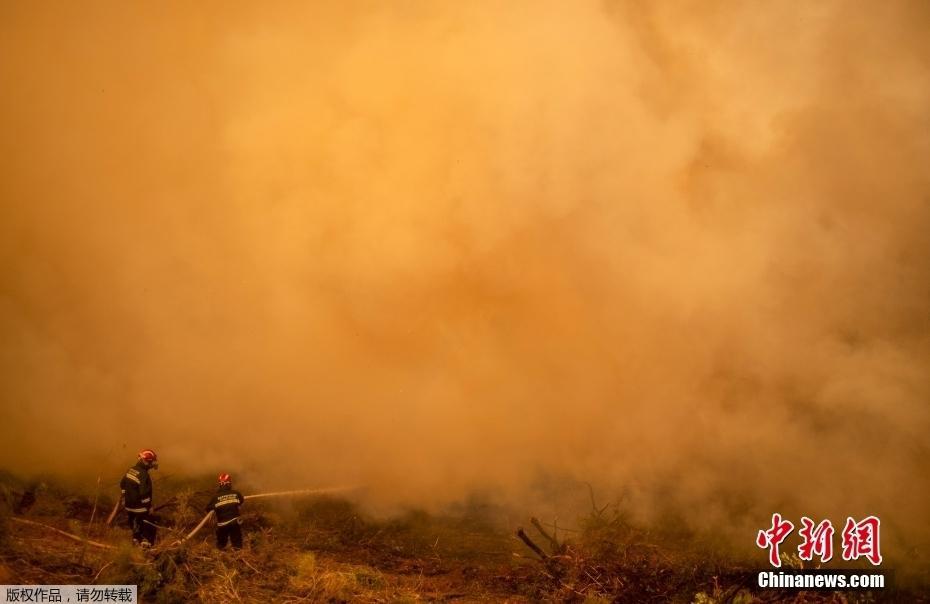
[
  {"x": 136, "y": 486},
  {"x": 226, "y": 504}
]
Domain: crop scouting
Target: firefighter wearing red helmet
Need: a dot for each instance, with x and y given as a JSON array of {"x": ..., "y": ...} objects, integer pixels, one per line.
[
  {"x": 225, "y": 504},
  {"x": 136, "y": 486}
]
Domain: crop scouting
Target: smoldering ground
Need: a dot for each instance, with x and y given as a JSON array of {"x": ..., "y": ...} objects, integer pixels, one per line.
[{"x": 677, "y": 250}]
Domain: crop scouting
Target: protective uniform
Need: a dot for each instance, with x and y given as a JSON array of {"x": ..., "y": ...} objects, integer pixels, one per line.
[
  {"x": 225, "y": 504},
  {"x": 136, "y": 486}
]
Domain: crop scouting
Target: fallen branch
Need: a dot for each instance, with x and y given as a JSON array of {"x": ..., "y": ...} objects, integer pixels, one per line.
[
  {"x": 552, "y": 540},
  {"x": 529, "y": 543},
  {"x": 102, "y": 568},
  {"x": 93, "y": 512},
  {"x": 598, "y": 512},
  {"x": 115, "y": 510},
  {"x": 61, "y": 532},
  {"x": 158, "y": 526}
]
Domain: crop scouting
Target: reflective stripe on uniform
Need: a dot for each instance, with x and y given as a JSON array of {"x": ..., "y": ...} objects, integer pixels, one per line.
[
  {"x": 133, "y": 478},
  {"x": 230, "y": 502},
  {"x": 137, "y": 510},
  {"x": 225, "y": 522},
  {"x": 147, "y": 500}
]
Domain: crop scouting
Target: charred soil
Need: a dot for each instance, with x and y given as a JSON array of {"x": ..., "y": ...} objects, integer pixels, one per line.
[{"x": 327, "y": 549}]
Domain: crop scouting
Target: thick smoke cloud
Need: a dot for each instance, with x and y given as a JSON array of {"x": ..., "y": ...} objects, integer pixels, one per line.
[{"x": 674, "y": 249}]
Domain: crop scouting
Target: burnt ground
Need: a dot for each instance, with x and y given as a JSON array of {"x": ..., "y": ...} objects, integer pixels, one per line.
[{"x": 326, "y": 549}]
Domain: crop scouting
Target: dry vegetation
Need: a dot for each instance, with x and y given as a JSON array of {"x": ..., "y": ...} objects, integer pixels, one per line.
[{"x": 327, "y": 550}]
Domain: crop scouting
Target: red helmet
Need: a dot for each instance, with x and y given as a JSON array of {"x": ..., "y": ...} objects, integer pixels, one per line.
[
  {"x": 225, "y": 479},
  {"x": 148, "y": 456}
]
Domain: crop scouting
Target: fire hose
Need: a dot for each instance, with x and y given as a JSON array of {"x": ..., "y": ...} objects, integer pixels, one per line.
[
  {"x": 200, "y": 525},
  {"x": 323, "y": 491}
]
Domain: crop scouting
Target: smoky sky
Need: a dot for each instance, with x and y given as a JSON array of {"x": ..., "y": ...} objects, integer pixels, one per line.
[{"x": 677, "y": 250}]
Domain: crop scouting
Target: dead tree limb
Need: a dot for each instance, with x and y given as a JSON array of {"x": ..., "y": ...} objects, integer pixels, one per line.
[
  {"x": 61, "y": 532},
  {"x": 553, "y": 542},
  {"x": 171, "y": 502},
  {"x": 158, "y": 526},
  {"x": 115, "y": 509},
  {"x": 597, "y": 511},
  {"x": 93, "y": 512},
  {"x": 529, "y": 543}
]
